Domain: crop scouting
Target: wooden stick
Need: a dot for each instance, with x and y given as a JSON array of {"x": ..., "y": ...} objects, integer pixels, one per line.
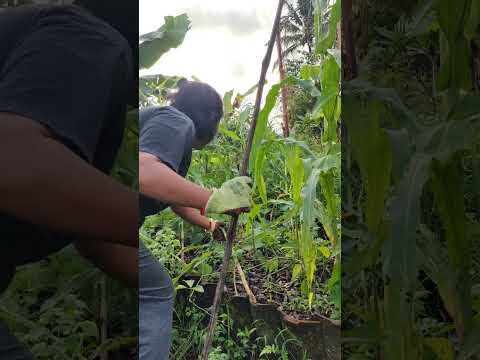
[
  {"x": 249, "y": 291},
  {"x": 232, "y": 229},
  {"x": 235, "y": 283},
  {"x": 103, "y": 314},
  {"x": 261, "y": 83}
]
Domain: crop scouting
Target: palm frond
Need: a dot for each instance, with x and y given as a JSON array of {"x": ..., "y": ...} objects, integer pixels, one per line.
[
  {"x": 290, "y": 50},
  {"x": 288, "y": 40},
  {"x": 294, "y": 15}
]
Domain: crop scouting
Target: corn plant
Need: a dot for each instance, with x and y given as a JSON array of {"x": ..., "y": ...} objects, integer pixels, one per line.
[
  {"x": 307, "y": 171},
  {"x": 412, "y": 218}
]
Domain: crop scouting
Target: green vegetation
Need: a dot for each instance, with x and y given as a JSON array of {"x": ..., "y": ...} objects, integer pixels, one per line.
[
  {"x": 410, "y": 183},
  {"x": 288, "y": 245}
]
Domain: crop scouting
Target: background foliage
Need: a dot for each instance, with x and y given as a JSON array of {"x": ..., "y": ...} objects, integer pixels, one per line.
[{"x": 410, "y": 182}]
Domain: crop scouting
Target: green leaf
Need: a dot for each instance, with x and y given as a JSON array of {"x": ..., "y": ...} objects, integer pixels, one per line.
[
  {"x": 205, "y": 269},
  {"x": 451, "y": 17},
  {"x": 227, "y": 104},
  {"x": 455, "y": 70},
  {"x": 442, "y": 348},
  {"x": 190, "y": 283},
  {"x": 307, "y": 247},
  {"x": 369, "y": 141},
  {"x": 228, "y": 133},
  {"x": 325, "y": 42},
  {"x": 296, "y": 272},
  {"x": 272, "y": 265},
  {"x": 311, "y": 295},
  {"x": 451, "y": 208},
  {"x": 387, "y": 96},
  {"x": 309, "y": 194},
  {"x": 399, "y": 251},
  {"x": 325, "y": 251},
  {"x": 310, "y": 72},
  {"x": 258, "y": 171},
  {"x": 400, "y": 264},
  {"x": 330, "y": 88},
  {"x": 401, "y": 151},
  {"x": 296, "y": 170},
  {"x": 198, "y": 289},
  {"x": 157, "y": 43},
  {"x": 455, "y": 23},
  {"x": 327, "y": 222},
  {"x": 334, "y": 285},
  {"x": 262, "y": 120},
  {"x": 471, "y": 346},
  {"x": 88, "y": 329}
]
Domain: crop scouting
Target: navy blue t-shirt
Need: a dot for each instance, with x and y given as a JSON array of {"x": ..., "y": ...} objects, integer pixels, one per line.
[
  {"x": 166, "y": 133},
  {"x": 71, "y": 72}
]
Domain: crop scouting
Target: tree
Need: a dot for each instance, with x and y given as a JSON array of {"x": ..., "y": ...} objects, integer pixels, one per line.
[{"x": 297, "y": 28}]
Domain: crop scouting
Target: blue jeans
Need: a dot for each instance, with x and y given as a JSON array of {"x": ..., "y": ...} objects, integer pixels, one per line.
[{"x": 156, "y": 298}]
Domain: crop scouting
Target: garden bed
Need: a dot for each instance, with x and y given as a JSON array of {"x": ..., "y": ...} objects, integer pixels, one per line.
[{"x": 267, "y": 311}]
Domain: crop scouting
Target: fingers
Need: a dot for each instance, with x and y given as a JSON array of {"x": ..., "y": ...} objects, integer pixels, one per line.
[{"x": 237, "y": 212}]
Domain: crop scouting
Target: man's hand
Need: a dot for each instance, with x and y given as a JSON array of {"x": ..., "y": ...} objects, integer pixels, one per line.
[
  {"x": 215, "y": 225},
  {"x": 233, "y": 197}
]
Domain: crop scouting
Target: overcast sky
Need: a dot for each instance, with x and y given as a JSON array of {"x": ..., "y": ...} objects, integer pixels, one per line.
[{"x": 225, "y": 45}]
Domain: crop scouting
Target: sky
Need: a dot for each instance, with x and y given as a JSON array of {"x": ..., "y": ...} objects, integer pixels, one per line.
[{"x": 225, "y": 45}]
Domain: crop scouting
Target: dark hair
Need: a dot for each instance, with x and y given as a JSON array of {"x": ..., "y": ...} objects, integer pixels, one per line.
[{"x": 201, "y": 103}]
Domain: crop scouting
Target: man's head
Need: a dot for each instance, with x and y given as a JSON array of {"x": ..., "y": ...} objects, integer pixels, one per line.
[{"x": 201, "y": 103}]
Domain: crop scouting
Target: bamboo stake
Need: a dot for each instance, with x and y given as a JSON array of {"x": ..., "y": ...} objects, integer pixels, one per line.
[
  {"x": 235, "y": 283},
  {"x": 249, "y": 291},
  {"x": 232, "y": 229}
]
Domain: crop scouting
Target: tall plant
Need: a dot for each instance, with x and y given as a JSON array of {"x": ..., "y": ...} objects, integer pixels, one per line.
[
  {"x": 313, "y": 177},
  {"x": 412, "y": 210}
]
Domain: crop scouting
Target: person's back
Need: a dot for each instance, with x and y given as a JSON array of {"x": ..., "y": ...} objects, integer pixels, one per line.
[{"x": 65, "y": 78}]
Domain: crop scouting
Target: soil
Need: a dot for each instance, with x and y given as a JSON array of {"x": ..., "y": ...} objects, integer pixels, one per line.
[
  {"x": 270, "y": 288},
  {"x": 274, "y": 288}
]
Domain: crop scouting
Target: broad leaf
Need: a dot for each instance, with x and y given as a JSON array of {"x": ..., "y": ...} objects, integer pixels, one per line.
[{"x": 155, "y": 44}]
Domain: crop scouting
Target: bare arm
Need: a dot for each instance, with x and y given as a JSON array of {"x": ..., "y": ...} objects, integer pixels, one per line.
[
  {"x": 158, "y": 181},
  {"x": 192, "y": 216},
  {"x": 44, "y": 183},
  {"x": 118, "y": 261}
]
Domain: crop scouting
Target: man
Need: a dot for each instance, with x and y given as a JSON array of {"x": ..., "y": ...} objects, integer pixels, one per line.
[{"x": 167, "y": 137}]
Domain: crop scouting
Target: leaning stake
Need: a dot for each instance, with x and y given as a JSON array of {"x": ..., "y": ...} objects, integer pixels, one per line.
[{"x": 232, "y": 229}]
